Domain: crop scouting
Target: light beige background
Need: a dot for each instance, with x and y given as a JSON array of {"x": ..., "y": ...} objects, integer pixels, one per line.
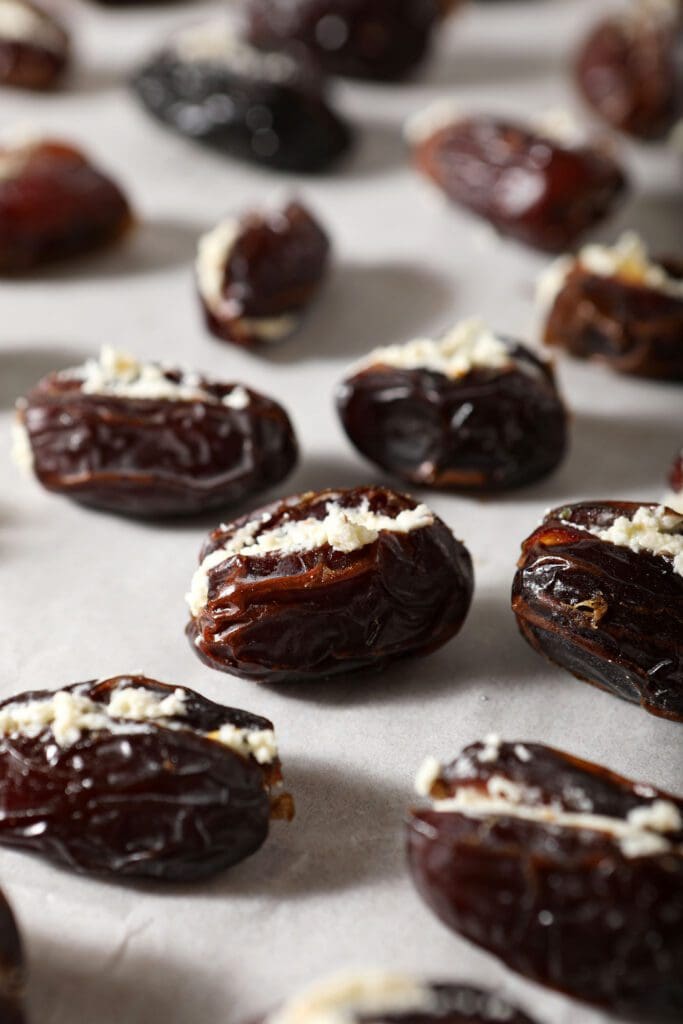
[{"x": 86, "y": 594}]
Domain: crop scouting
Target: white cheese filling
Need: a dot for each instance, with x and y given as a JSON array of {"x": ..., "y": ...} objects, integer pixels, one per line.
[
  {"x": 218, "y": 42},
  {"x": 22, "y": 24},
  {"x": 341, "y": 1000},
  {"x": 674, "y": 500},
  {"x": 22, "y": 452},
  {"x": 343, "y": 529},
  {"x": 121, "y": 375},
  {"x": 213, "y": 252},
  {"x": 641, "y": 833},
  {"x": 628, "y": 259},
  {"x": 432, "y": 119},
  {"x": 69, "y": 714},
  {"x": 650, "y": 530},
  {"x": 468, "y": 346}
]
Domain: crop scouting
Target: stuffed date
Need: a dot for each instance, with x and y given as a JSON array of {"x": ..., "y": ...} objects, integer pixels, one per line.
[
  {"x": 34, "y": 47},
  {"x": 145, "y": 439},
  {"x": 130, "y": 777},
  {"x": 572, "y": 875},
  {"x": 327, "y": 582}
]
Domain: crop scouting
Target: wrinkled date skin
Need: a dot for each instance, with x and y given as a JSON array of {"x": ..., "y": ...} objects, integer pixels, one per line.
[
  {"x": 55, "y": 205},
  {"x": 488, "y": 430},
  {"x": 155, "y": 802},
  {"x": 612, "y": 616},
  {"x": 627, "y": 70},
  {"x": 38, "y": 61},
  {"x": 309, "y": 614},
  {"x": 374, "y": 39},
  {"x": 281, "y": 121},
  {"x": 563, "y": 905},
  {"x": 525, "y": 185},
  {"x": 155, "y": 457},
  {"x": 12, "y": 979},
  {"x": 274, "y": 269},
  {"x": 445, "y": 1004},
  {"x": 630, "y": 327}
]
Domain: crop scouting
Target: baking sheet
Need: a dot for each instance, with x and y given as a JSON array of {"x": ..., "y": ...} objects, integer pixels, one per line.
[{"x": 87, "y": 594}]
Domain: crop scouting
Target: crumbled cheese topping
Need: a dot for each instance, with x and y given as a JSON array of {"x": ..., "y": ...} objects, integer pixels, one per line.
[
  {"x": 23, "y": 24},
  {"x": 22, "y": 452},
  {"x": 428, "y": 773},
  {"x": 628, "y": 259},
  {"x": 469, "y": 345},
  {"x": 641, "y": 833},
  {"x": 121, "y": 375},
  {"x": 561, "y": 126},
  {"x": 651, "y": 530},
  {"x": 69, "y": 714},
  {"x": 218, "y": 42},
  {"x": 491, "y": 749},
  {"x": 674, "y": 500},
  {"x": 343, "y": 999},
  {"x": 343, "y": 529}
]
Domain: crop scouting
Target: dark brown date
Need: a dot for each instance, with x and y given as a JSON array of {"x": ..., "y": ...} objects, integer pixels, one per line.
[
  {"x": 572, "y": 875},
  {"x": 629, "y": 72},
  {"x": 374, "y": 39},
  {"x": 380, "y": 997},
  {"x": 131, "y": 777},
  {"x": 610, "y": 610},
  {"x": 621, "y": 322},
  {"x": 54, "y": 204},
  {"x": 490, "y": 428},
  {"x": 525, "y": 184},
  {"x": 34, "y": 47},
  {"x": 327, "y": 582},
  {"x": 266, "y": 108},
  {"x": 257, "y": 275},
  {"x": 146, "y": 440},
  {"x": 12, "y": 973}
]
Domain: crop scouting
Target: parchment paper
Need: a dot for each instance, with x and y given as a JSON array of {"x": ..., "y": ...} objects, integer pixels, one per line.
[{"x": 86, "y": 594}]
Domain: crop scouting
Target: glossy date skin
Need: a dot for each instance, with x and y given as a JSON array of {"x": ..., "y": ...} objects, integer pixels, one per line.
[
  {"x": 162, "y": 803},
  {"x": 11, "y": 967},
  {"x": 383, "y": 40},
  {"x": 29, "y": 63},
  {"x": 630, "y": 327},
  {"x": 628, "y": 71},
  {"x": 284, "y": 123},
  {"x": 564, "y": 906},
  {"x": 489, "y": 430},
  {"x": 274, "y": 269},
  {"x": 526, "y": 185},
  {"x": 155, "y": 457},
  {"x": 310, "y": 614},
  {"x": 612, "y": 616},
  {"x": 56, "y": 205}
]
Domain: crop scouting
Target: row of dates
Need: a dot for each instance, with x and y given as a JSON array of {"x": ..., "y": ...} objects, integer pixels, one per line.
[
  {"x": 570, "y": 874},
  {"x": 210, "y": 81}
]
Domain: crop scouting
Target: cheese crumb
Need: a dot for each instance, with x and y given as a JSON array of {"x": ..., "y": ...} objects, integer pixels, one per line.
[
  {"x": 468, "y": 346},
  {"x": 351, "y": 996},
  {"x": 343, "y": 529},
  {"x": 658, "y": 531},
  {"x": 258, "y": 743},
  {"x": 427, "y": 775}
]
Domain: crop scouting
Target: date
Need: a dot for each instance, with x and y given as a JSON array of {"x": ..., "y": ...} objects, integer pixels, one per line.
[
  {"x": 54, "y": 205},
  {"x": 149, "y": 440},
  {"x": 675, "y": 498},
  {"x": 383, "y": 40},
  {"x": 599, "y": 591},
  {"x": 34, "y": 46},
  {"x": 629, "y": 72},
  {"x": 130, "y": 777},
  {"x": 380, "y": 997},
  {"x": 570, "y": 874},
  {"x": 328, "y": 582},
  {"x": 12, "y": 971},
  {"x": 471, "y": 411},
  {"x": 267, "y": 108},
  {"x": 617, "y": 306},
  {"x": 527, "y": 184},
  {"x": 256, "y": 275}
]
